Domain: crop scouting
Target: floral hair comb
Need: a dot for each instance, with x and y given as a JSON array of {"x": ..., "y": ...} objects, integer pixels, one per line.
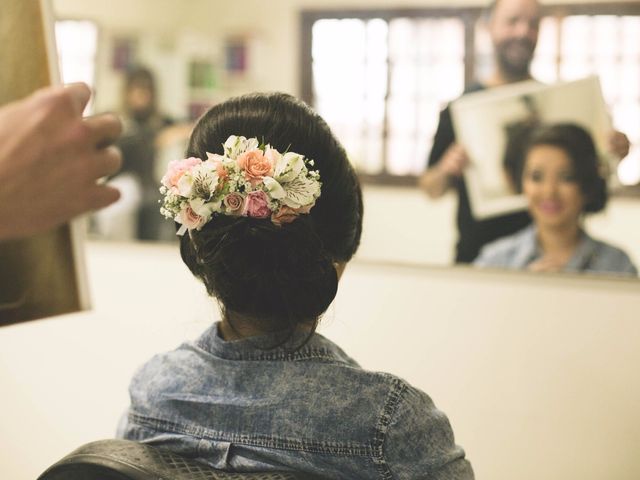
[{"x": 250, "y": 180}]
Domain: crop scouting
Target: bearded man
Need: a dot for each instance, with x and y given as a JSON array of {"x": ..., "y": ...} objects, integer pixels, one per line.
[{"x": 513, "y": 27}]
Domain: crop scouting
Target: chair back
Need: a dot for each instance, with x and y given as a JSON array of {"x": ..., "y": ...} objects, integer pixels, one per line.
[{"x": 128, "y": 460}]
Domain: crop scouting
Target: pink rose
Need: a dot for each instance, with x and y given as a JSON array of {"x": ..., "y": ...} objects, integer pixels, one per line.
[
  {"x": 256, "y": 205},
  {"x": 190, "y": 219},
  {"x": 234, "y": 202},
  {"x": 177, "y": 169},
  {"x": 255, "y": 165}
]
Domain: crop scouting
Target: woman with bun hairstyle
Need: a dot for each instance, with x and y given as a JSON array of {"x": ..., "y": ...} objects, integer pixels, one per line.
[
  {"x": 270, "y": 212},
  {"x": 561, "y": 182}
]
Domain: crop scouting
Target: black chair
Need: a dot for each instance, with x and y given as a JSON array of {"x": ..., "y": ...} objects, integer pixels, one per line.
[{"x": 127, "y": 460}]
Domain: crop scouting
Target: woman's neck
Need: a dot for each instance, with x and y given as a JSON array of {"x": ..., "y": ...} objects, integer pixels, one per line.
[
  {"x": 238, "y": 331},
  {"x": 241, "y": 328},
  {"x": 560, "y": 241}
]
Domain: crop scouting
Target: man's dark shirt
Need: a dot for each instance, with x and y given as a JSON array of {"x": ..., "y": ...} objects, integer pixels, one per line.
[{"x": 472, "y": 234}]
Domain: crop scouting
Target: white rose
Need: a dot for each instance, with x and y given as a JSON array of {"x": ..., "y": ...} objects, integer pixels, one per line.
[
  {"x": 185, "y": 184},
  {"x": 272, "y": 155}
]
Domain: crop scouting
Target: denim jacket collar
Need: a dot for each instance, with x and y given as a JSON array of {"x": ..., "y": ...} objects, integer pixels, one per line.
[
  {"x": 529, "y": 250},
  {"x": 262, "y": 347}
]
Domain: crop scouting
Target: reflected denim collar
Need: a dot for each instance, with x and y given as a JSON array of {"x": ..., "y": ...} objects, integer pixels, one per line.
[
  {"x": 530, "y": 250},
  {"x": 261, "y": 347}
]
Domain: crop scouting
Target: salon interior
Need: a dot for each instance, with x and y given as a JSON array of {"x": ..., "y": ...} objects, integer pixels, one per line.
[{"x": 536, "y": 371}]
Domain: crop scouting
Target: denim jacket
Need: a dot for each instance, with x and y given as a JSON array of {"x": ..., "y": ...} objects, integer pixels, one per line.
[
  {"x": 591, "y": 256},
  {"x": 241, "y": 407}
]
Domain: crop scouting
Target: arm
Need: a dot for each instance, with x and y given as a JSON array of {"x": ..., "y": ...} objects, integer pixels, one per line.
[
  {"x": 437, "y": 180},
  {"x": 51, "y": 160},
  {"x": 419, "y": 443},
  {"x": 446, "y": 162}
]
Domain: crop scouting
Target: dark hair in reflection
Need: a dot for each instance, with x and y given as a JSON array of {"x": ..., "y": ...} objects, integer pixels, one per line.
[
  {"x": 518, "y": 134},
  {"x": 276, "y": 277},
  {"x": 577, "y": 143},
  {"x": 143, "y": 78}
]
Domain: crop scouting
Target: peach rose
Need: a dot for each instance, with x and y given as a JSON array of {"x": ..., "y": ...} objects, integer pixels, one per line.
[
  {"x": 176, "y": 170},
  {"x": 255, "y": 165},
  {"x": 234, "y": 203},
  {"x": 284, "y": 215},
  {"x": 287, "y": 214},
  {"x": 303, "y": 210},
  {"x": 256, "y": 205}
]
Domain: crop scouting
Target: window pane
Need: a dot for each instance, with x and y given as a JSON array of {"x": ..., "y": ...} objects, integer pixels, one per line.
[
  {"x": 427, "y": 71},
  {"x": 76, "y": 42},
  {"x": 350, "y": 84},
  {"x": 420, "y": 61},
  {"x": 544, "y": 66}
]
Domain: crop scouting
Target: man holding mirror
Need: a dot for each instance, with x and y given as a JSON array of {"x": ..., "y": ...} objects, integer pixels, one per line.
[{"x": 513, "y": 27}]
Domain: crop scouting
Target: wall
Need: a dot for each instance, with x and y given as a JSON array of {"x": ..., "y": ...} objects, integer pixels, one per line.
[{"x": 538, "y": 375}]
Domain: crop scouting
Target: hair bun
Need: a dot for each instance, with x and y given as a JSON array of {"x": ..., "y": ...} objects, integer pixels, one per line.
[
  {"x": 268, "y": 276},
  {"x": 264, "y": 271}
]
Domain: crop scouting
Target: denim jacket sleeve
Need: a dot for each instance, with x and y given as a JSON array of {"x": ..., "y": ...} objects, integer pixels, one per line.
[{"x": 419, "y": 441}]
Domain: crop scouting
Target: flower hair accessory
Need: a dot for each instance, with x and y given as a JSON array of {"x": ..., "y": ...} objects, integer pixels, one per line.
[{"x": 250, "y": 180}]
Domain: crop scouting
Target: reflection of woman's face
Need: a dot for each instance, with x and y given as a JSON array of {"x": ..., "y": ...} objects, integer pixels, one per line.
[
  {"x": 139, "y": 98},
  {"x": 549, "y": 183}
]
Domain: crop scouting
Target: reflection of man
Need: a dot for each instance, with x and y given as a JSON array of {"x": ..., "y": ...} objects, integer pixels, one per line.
[{"x": 513, "y": 27}]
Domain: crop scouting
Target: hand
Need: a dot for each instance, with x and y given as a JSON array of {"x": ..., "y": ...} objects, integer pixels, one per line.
[
  {"x": 454, "y": 161},
  {"x": 546, "y": 265},
  {"x": 619, "y": 144},
  {"x": 51, "y": 160}
]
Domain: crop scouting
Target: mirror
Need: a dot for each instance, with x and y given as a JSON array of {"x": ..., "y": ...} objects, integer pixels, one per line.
[{"x": 384, "y": 106}]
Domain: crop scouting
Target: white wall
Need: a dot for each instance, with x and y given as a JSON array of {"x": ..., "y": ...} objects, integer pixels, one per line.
[{"x": 537, "y": 374}]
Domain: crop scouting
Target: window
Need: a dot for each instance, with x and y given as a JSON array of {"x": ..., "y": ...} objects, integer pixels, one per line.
[
  {"x": 77, "y": 45},
  {"x": 380, "y": 78}
]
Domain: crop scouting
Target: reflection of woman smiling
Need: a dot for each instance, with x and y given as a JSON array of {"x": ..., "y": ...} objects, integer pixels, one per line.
[{"x": 560, "y": 181}]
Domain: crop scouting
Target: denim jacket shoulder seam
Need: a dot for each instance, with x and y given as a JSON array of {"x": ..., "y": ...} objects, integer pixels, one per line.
[
  {"x": 280, "y": 443},
  {"x": 394, "y": 397}
]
